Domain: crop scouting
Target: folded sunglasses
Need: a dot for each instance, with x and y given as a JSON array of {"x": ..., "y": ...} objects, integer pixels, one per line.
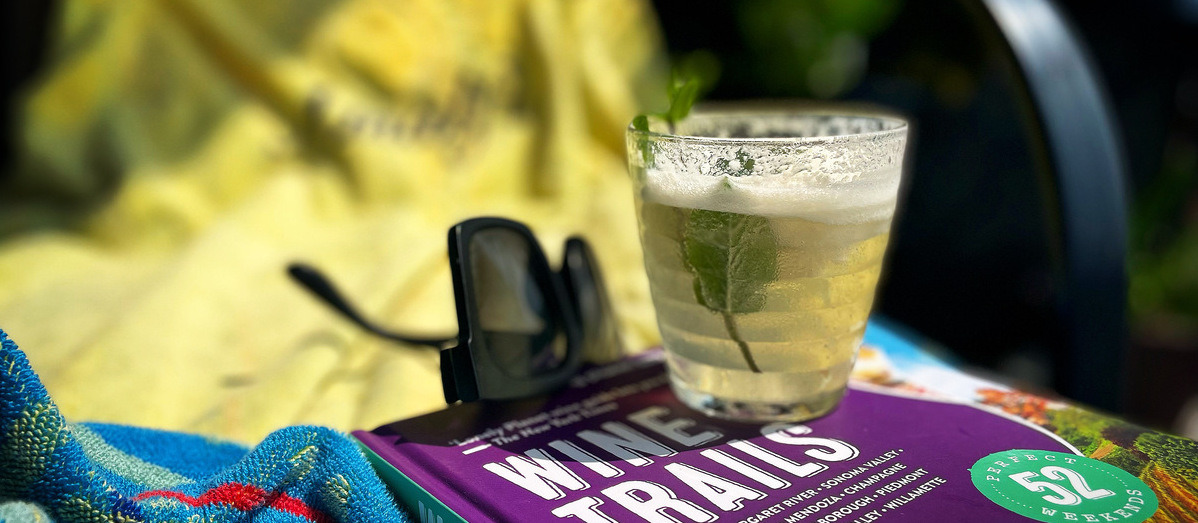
[{"x": 523, "y": 329}]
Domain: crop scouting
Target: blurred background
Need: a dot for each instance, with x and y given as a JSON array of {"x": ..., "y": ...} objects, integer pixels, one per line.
[{"x": 982, "y": 262}]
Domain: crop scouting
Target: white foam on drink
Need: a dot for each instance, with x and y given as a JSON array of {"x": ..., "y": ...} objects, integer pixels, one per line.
[
  {"x": 778, "y": 191},
  {"x": 839, "y": 170}
]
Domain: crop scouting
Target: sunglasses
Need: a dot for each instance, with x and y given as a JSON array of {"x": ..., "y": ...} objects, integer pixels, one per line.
[{"x": 523, "y": 329}]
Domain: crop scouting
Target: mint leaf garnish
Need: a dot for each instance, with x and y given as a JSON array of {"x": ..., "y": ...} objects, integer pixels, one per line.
[
  {"x": 733, "y": 257},
  {"x": 684, "y": 91},
  {"x": 641, "y": 123},
  {"x": 690, "y": 78}
]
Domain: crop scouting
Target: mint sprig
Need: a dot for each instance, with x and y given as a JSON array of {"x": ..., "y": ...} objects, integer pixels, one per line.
[
  {"x": 733, "y": 257},
  {"x": 690, "y": 79},
  {"x": 683, "y": 93}
]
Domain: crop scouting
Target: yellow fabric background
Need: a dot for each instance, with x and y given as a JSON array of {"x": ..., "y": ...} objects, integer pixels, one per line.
[{"x": 177, "y": 154}]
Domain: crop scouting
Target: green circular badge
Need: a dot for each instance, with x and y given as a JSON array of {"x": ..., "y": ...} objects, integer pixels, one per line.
[{"x": 1055, "y": 486}]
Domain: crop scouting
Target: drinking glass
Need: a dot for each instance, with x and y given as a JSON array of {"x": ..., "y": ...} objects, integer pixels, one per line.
[{"x": 763, "y": 234}]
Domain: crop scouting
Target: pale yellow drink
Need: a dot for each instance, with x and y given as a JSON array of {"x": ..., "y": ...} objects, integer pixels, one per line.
[{"x": 762, "y": 266}]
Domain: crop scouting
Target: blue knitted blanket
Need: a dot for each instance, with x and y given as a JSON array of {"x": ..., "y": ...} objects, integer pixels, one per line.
[{"x": 51, "y": 470}]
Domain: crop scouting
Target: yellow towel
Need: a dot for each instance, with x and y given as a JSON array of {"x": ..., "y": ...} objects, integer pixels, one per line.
[{"x": 177, "y": 154}]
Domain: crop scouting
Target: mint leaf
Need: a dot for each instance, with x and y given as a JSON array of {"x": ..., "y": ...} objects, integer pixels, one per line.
[
  {"x": 690, "y": 78},
  {"x": 733, "y": 257},
  {"x": 641, "y": 123},
  {"x": 682, "y": 97}
]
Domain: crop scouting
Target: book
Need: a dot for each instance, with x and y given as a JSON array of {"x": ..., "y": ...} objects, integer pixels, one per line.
[{"x": 915, "y": 439}]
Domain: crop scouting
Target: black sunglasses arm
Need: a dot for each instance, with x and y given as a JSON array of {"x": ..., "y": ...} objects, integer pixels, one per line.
[{"x": 312, "y": 279}]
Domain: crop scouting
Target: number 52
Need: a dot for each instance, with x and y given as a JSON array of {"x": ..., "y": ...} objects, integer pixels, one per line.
[{"x": 1063, "y": 496}]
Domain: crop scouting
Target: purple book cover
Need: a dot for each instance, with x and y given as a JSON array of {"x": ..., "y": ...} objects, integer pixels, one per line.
[{"x": 617, "y": 446}]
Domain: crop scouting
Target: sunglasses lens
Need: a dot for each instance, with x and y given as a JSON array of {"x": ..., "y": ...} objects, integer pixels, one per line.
[
  {"x": 586, "y": 289},
  {"x": 513, "y": 292}
]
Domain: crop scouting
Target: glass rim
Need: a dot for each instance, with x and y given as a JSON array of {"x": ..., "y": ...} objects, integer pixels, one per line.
[{"x": 900, "y": 126}]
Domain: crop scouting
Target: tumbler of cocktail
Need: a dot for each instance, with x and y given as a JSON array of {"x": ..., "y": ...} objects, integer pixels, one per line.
[{"x": 763, "y": 233}]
